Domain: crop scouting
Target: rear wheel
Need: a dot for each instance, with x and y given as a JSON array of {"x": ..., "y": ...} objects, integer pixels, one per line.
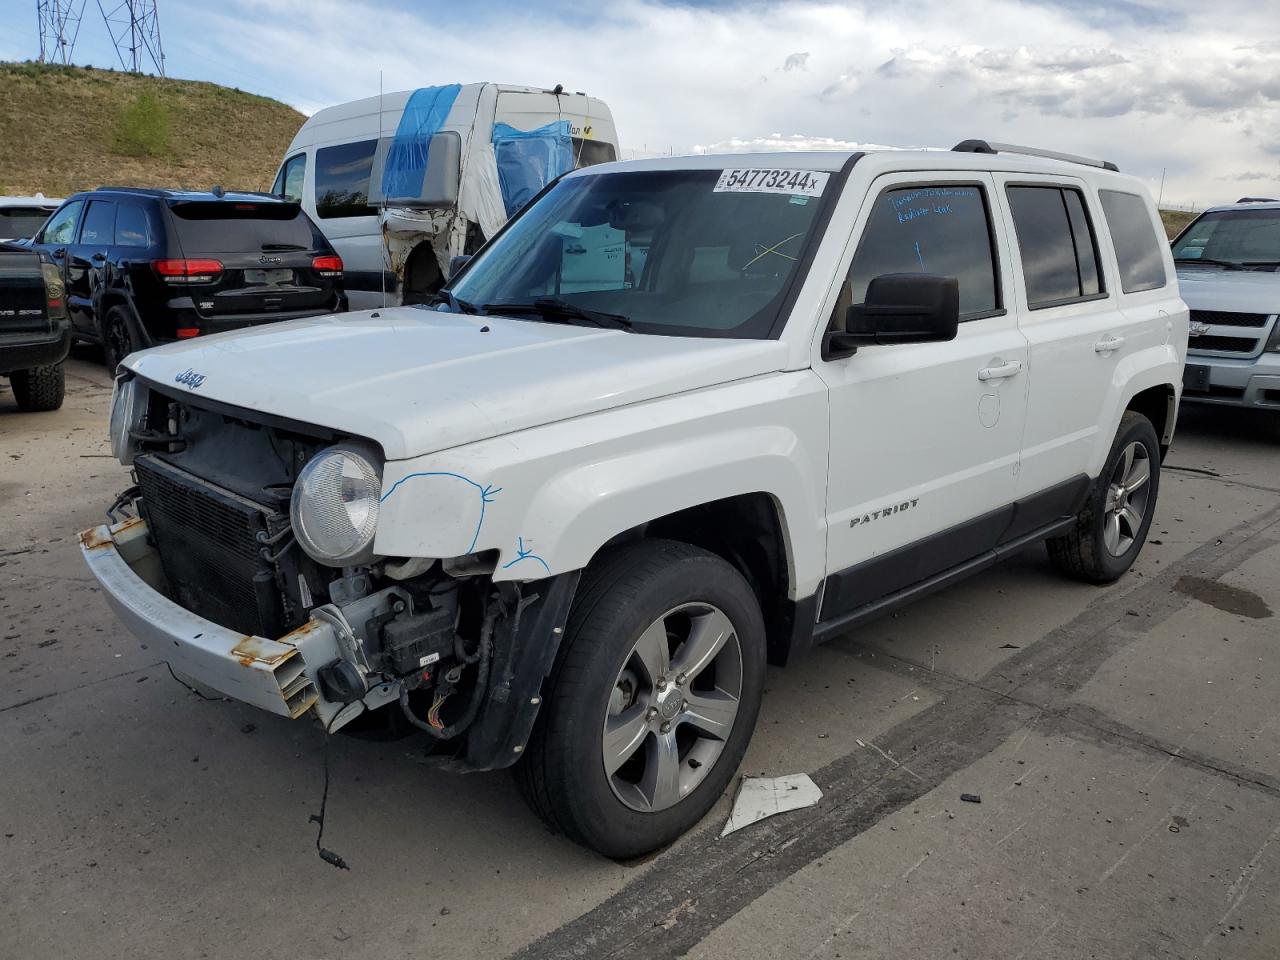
[
  {"x": 1111, "y": 529},
  {"x": 117, "y": 338},
  {"x": 653, "y": 700},
  {"x": 40, "y": 388}
]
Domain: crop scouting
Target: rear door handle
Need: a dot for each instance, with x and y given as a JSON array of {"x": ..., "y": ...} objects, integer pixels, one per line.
[
  {"x": 1108, "y": 344},
  {"x": 1010, "y": 369},
  {"x": 99, "y": 257}
]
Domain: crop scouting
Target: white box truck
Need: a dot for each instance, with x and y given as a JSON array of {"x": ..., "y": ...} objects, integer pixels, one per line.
[{"x": 403, "y": 183}]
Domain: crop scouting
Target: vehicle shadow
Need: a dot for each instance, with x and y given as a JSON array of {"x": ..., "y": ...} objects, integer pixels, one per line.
[{"x": 1236, "y": 424}]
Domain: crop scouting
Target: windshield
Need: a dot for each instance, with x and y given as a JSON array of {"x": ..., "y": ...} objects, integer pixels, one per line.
[
  {"x": 1239, "y": 237},
  {"x": 679, "y": 252}
]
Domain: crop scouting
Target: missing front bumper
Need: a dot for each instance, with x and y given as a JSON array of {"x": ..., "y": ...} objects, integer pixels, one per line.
[{"x": 279, "y": 676}]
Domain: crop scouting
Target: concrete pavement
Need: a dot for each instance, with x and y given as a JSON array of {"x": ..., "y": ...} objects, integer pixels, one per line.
[{"x": 1123, "y": 742}]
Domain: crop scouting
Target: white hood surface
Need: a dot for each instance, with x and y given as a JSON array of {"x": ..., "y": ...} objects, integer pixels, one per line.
[
  {"x": 419, "y": 381},
  {"x": 1237, "y": 291}
]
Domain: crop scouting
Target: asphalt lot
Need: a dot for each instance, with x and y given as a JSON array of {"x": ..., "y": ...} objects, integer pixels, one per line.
[{"x": 1122, "y": 740}]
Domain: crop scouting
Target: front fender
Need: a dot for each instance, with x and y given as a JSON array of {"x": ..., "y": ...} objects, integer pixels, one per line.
[{"x": 549, "y": 498}]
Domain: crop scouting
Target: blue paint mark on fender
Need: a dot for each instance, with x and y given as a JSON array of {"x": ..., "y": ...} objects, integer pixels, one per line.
[
  {"x": 523, "y": 554},
  {"x": 486, "y": 492}
]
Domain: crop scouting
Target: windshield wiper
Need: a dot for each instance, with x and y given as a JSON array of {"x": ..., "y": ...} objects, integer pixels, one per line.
[
  {"x": 455, "y": 304},
  {"x": 555, "y": 310},
  {"x": 283, "y": 246},
  {"x": 1225, "y": 264}
]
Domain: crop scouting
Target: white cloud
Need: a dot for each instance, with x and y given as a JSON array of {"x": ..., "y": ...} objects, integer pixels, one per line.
[
  {"x": 1186, "y": 88},
  {"x": 791, "y": 142}
]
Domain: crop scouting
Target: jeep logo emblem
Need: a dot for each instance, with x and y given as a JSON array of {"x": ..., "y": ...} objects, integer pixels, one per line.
[
  {"x": 1197, "y": 329},
  {"x": 267, "y": 261},
  {"x": 189, "y": 378}
]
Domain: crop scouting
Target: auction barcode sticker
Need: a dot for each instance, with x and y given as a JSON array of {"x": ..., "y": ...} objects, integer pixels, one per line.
[{"x": 801, "y": 183}]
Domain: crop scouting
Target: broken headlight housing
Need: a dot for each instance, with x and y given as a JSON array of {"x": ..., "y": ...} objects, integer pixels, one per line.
[
  {"x": 334, "y": 507},
  {"x": 128, "y": 408}
]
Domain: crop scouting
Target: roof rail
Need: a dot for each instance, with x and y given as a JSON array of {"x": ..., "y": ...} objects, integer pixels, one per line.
[
  {"x": 987, "y": 146},
  {"x": 1257, "y": 200}
]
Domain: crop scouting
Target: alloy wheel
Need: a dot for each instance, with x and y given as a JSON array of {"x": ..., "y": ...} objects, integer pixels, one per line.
[
  {"x": 673, "y": 707},
  {"x": 1128, "y": 495}
]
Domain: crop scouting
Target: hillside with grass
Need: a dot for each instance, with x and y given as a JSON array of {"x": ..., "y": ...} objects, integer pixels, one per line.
[
  {"x": 73, "y": 128},
  {"x": 1175, "y": 220}
]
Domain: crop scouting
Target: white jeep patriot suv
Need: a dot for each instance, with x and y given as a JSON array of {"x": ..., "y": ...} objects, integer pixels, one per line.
[
  {"x": 678, "y": 418},
  {"x": 1228, "y": 262}
]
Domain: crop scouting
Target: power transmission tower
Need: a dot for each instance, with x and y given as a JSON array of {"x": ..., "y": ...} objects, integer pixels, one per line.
[
  {"x": 133, "y": 25},
  {"x": 135, "y": 30},
  {"x": 59, "y": 27}
]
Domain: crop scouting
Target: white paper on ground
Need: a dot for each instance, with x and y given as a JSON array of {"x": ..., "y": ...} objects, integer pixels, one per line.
[{"x": 761, "y": 797}]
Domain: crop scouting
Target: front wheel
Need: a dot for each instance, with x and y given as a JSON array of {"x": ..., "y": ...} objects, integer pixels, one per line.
[
  {"x": 652, "y": 702},
  {"x": 1111, "y": 529}
]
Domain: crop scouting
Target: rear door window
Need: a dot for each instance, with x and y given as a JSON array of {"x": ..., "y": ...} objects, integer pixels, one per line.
[
  {"x": 234, "y": 227},
  {"x": 942, "y": 229},
  {"x": 99, "y": 224},
  {"x": 62, "y": 226},
  {"x": 1055, "y": 238},
  {"x": 342, "y": 180},
  {"x": 1138, "y": 252}
]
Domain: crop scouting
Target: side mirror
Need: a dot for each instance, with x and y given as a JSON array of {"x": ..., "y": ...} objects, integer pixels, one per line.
[
  {"x": 457, "y": 263},
  {"x": 901, "y": 308}
]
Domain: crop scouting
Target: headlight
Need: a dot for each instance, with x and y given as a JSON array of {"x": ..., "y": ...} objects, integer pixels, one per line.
[
  {"x": 334, "y": 507},
  {"x": 127, "y": 410},
  {"x": 1273, "y": 343}
]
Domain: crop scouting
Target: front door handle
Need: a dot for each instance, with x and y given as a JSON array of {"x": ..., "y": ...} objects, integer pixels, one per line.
[
  {"x": 1010, "y": 369},
  {"x": 1108, "y": 344}
]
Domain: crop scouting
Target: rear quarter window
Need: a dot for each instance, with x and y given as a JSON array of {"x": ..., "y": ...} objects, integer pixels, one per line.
[
  {"x": 1138, "y": 252},
  {"x": 133, "y": 226},
  {"x": 587, "y": 153}
]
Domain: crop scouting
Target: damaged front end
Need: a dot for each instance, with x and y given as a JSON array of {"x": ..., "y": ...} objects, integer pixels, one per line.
[
  {"x": 207, "y": 567},
  {"x": 421, "y": 242}
]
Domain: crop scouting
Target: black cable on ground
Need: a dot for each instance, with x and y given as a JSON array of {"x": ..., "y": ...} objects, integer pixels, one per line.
[
  {"x": 187, "y": 685},
  {"x": 328, "y": 856}
]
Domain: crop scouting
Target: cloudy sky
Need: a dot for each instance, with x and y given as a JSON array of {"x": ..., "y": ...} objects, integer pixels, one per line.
[{"x": 1178, "y": 85}]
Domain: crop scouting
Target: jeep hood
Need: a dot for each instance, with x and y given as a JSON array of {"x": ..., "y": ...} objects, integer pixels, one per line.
[
  {"x": 1238, "y": 291},
  {"x": 418, "y": 381}
]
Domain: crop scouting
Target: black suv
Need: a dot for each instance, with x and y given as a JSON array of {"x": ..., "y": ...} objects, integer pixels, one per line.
[{"x": 143, "y": 267}]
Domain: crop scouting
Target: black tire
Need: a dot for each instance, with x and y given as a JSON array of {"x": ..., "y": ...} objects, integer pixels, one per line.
[
  {"x": 1083, "y": 553},
  {"x": 562, "y": 775},
  {"x": 118, "y": 340},
  {"x": 40, "y": 388}
]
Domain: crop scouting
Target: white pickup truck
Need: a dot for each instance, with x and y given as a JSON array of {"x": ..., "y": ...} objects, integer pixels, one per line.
[{"x": 678, "y": 418}]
